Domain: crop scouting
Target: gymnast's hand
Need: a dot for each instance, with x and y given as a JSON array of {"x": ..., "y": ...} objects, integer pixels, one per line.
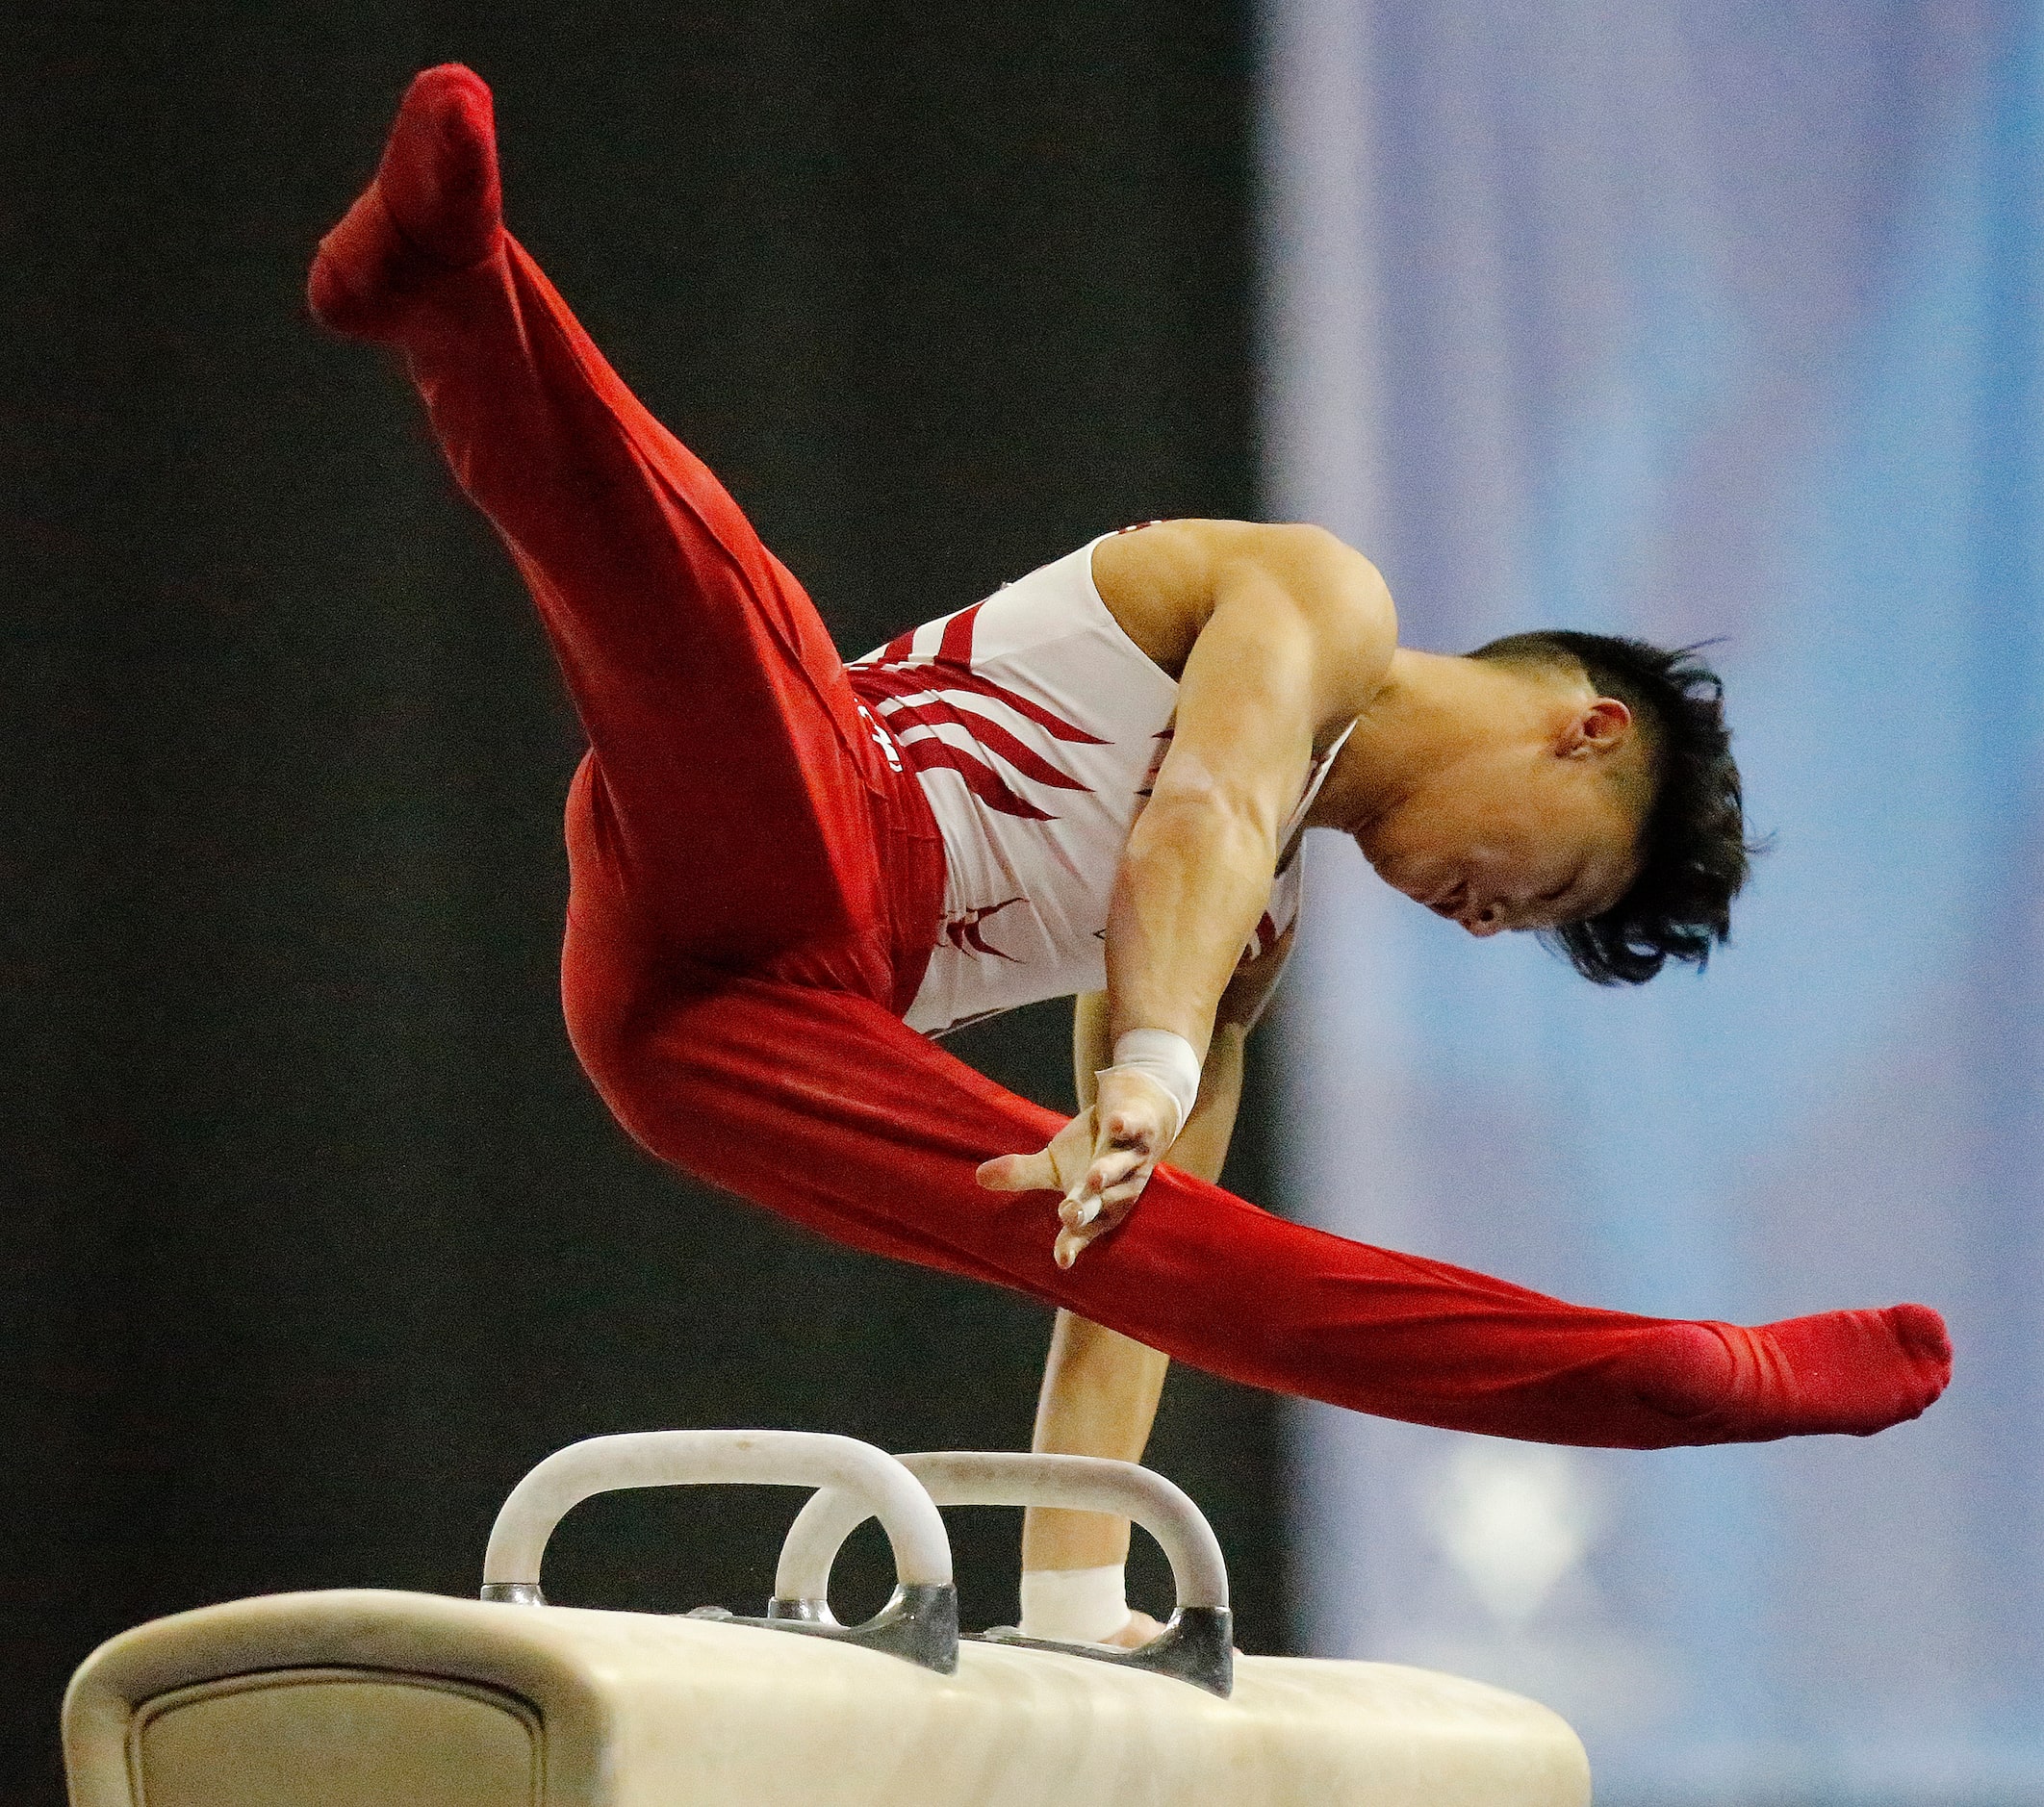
[{"x": 1100, "y": 1161}]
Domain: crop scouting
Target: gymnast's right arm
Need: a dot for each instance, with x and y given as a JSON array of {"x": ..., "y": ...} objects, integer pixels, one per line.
[{"x": 1284, "y": 636}]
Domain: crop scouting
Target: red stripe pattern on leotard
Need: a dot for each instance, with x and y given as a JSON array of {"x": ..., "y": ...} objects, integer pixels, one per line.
[{"x": 907, "y": 692}]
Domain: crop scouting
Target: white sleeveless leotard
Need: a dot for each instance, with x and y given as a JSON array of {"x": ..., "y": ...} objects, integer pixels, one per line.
[{"x": 1034, "y": 726}]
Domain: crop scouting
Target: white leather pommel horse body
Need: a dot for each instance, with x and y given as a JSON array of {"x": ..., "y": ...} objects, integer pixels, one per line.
[{"x": 370, "y": 1698}]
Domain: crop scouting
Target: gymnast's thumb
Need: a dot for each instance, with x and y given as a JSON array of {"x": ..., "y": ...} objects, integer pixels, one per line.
[{"x": 1020, "y": 1173}]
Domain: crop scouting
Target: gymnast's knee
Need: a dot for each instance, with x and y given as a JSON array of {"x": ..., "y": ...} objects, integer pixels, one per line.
[{"x": 661, "y": 1095}]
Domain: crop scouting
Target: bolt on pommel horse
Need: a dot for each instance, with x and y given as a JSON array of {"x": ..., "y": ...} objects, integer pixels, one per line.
[{"x": 367, "y": 1698}]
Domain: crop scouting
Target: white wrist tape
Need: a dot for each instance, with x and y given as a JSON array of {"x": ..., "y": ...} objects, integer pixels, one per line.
[
  {"x": 1074, "y": 1605},
  {"x": 1167, "y": 1058}
]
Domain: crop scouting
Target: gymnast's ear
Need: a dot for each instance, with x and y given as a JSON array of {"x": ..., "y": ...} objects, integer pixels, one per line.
[{"x": 1602, "y": 727}]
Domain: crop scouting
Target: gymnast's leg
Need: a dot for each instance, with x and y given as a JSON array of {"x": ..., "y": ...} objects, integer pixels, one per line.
[
  {"x": 725, "y": 802},
  {"x": 826, "y": 1107}
]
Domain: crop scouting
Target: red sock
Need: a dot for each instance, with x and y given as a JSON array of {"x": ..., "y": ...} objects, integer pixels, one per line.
[
  {"x": 1854, "y": 1372},
  {"x": 435, "y": 207}
]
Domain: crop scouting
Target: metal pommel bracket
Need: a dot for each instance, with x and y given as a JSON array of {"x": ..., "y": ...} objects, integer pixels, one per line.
[
  {"x": 1197, "y": 1646},
  {"x": 920, "y": 1623}
]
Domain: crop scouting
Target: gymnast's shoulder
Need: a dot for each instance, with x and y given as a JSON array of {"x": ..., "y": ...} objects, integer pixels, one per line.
[{"x": 1164, "y": 583}]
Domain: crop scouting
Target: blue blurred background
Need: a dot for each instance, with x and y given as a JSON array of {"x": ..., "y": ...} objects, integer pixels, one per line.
[{"x": 1698, "y": 321}]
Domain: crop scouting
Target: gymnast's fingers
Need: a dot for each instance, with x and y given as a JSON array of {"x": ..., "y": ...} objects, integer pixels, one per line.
[
  {"x": 1082, "y": 1202},
  {"x": 1114, "y": 1211},
  {"x": 1102, "y": 1209}
]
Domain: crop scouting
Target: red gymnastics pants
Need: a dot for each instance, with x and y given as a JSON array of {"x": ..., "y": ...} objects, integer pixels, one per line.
[{"x": 755, "y": 894}]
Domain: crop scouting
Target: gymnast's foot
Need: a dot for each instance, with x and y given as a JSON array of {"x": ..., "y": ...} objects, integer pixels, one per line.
[
  {"x": 1855, "y": 1372},
  {"x": 435, "y": 207}
]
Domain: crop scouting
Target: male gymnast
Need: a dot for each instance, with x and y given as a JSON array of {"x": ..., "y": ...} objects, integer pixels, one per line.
[{"x": 788, "y": 873}]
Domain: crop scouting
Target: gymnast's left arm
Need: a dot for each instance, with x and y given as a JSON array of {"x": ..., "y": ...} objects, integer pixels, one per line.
[{"x": 1101, "y": 1390}]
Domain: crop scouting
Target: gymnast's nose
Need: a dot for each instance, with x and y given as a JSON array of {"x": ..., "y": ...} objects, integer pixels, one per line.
[{"x": 1482, "y": 920}]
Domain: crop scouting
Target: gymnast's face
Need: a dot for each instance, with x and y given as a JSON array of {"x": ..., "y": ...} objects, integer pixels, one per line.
[{"x": 1529, "y": 830}]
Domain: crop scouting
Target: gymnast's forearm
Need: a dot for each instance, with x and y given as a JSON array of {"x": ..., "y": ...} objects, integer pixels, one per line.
[
  {"x": 1100, "y": 1388},
  {"x": 1099, "y": 1398},
  {"x": 1202, "y": 1146},
  {"x": 1193, "y": 880}
]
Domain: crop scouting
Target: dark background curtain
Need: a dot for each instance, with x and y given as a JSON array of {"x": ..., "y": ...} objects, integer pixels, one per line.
[{"x": 315, "y": 1236}]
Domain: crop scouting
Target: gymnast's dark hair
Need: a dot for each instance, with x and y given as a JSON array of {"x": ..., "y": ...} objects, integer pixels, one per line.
[{"x": 1693, "y": 844}]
